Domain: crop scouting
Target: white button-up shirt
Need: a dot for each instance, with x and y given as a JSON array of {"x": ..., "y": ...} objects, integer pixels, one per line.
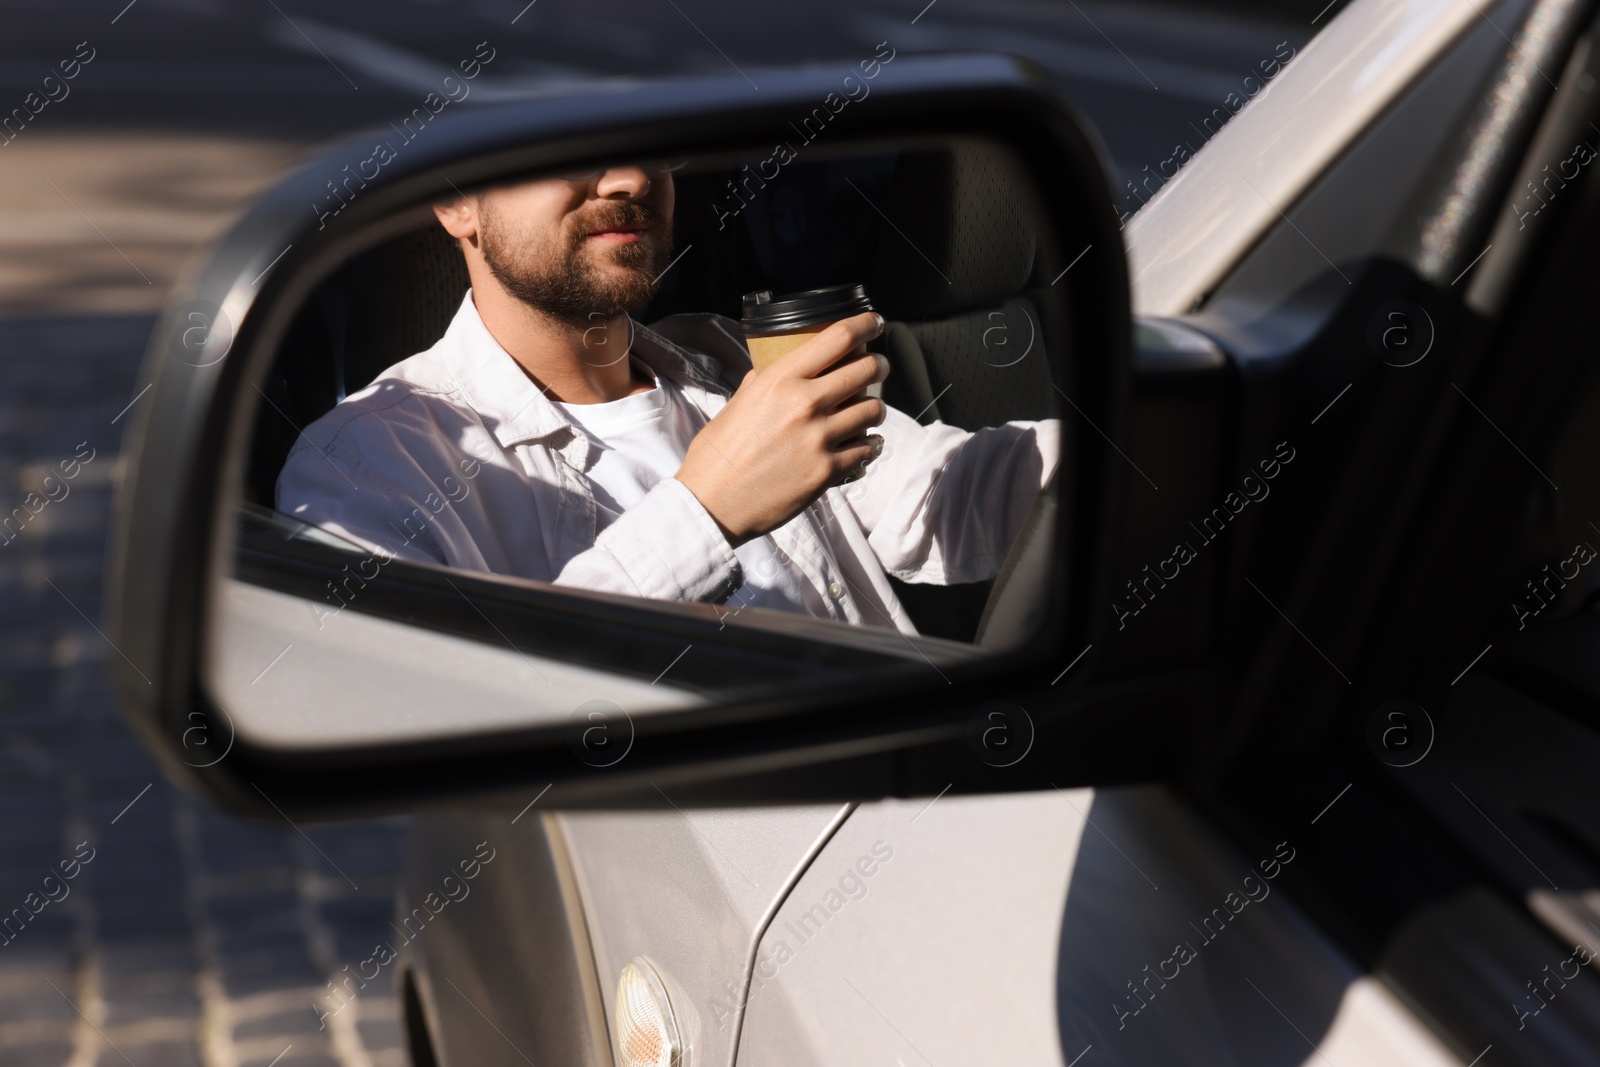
[{"x": 455, "y": 456}]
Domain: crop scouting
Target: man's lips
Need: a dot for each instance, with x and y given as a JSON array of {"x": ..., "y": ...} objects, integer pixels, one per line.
[{"x": 625, "y": 233}]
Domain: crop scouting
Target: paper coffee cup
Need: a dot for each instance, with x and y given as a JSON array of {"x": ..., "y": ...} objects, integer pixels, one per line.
[
  {"x": 767, "y": 349},
  {"x": 776, "y": 326}
]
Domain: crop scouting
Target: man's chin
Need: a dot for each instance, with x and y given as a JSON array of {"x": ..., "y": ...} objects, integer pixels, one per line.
[
  {"x": 610, "y": 297},
  {"x": 623, "y": 274},
  {"x": 622, "y": 254}
]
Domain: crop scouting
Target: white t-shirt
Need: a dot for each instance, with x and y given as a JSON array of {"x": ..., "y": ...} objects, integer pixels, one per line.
[{"x": 645, "y": 437}]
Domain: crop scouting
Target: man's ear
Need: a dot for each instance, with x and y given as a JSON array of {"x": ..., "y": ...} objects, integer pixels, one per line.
[{"x": 458, "y": 217}]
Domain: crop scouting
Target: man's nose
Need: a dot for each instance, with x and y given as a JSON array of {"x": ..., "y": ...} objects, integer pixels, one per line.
[{"x": 623, "y": 182}]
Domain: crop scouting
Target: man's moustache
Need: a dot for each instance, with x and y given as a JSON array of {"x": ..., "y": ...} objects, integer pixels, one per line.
[{"x": 624, "y": 215}]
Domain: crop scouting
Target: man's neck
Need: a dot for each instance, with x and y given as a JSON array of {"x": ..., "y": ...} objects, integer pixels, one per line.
[{"x": 574, "y": 364}]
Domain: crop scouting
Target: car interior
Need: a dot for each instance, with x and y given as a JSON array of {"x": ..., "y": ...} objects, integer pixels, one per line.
[{"x": 940, "y": 236}]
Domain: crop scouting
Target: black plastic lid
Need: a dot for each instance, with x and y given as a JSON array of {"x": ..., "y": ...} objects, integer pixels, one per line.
[{"x": 795, "y": 311}]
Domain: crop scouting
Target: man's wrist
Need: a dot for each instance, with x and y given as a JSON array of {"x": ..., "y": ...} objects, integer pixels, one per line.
[
  {"x": 669, "y": 548},
  {"x": 734, "y": 538}
]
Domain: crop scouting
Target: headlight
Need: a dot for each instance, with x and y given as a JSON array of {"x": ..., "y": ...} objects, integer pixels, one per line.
[{"x": 647, "y": 1032}]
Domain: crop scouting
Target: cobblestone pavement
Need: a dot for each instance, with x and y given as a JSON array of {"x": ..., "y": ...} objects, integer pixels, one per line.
[{"x": 186, "y": 936}]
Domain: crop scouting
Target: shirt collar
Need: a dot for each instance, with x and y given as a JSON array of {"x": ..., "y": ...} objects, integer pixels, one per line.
[{"x": 516, "y": 410}]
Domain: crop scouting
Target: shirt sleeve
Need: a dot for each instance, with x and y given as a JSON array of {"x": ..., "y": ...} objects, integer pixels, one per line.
[
  {"x": 943, "y": 505},
  {"x": 332, "y": 489},
  {"x": 368, "y": 487},
  {"x": 667, "y": 547}
]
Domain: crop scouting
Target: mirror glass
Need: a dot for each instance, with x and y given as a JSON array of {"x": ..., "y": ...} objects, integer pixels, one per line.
[{"x": 652, "y": 435}]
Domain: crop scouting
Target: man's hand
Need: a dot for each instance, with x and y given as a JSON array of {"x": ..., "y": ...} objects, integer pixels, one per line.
[{"x": 789, "y": 432}]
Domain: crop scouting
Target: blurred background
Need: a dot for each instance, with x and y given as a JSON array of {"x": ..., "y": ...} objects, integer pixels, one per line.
[{"x": 190, "y": 937}]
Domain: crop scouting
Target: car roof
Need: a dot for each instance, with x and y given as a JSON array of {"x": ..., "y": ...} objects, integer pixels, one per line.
[{"x": 1241, "y": 181}]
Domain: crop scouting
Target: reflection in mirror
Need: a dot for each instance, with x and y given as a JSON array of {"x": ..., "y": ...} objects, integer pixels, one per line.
[{"x": 809, "y": 399}]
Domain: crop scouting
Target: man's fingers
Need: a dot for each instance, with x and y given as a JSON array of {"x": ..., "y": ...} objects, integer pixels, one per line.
[
  {"x": 870, "y": 441},
  {"x": 831, "y": 345},
  {"x": 850, "y": 462},
  {"x": 854, "y": 419},
  {"x": 849, "y": 378}
]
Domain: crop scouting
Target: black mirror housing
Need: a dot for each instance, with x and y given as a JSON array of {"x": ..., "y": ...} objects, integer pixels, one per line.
[{"x": 209, "y": 353}]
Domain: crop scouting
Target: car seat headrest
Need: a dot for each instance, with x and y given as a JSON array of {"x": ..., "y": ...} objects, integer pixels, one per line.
[{"x": 965, "y": 237}]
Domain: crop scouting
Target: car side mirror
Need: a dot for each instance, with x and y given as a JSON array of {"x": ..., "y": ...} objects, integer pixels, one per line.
[{"x": 379, "y": 545}]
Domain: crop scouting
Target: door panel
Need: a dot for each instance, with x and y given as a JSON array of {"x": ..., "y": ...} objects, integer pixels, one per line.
[{"x": 1008, "y": 930}]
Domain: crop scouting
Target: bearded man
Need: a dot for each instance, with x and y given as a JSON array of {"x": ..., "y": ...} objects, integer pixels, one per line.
[{"x": 549, "y": 436}]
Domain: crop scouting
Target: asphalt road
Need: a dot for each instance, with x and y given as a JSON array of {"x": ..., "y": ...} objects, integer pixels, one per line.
[{"x": 185, "y": 936}]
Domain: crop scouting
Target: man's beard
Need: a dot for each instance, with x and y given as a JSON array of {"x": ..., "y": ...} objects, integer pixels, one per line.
[{"x": 555, "y": 277}]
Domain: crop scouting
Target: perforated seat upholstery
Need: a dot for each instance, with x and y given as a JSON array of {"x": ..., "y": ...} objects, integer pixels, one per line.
[
  {"x": 965, "y": 339},
  {"x": 967, "y": 342},
  {"x": 385, "y": 304},
  {"x": 400, "y": 298}
]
